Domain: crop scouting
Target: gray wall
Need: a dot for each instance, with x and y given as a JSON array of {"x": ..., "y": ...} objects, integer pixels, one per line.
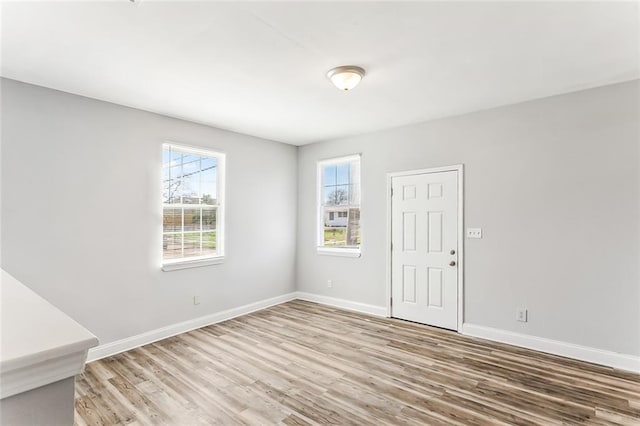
[
  {"x": 81, "y": 217},
  {"x": 554, "y": 184}
]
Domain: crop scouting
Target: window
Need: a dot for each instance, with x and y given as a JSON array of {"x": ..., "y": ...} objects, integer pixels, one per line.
[
  {"x": 192, "y": 206},
  {"x": 339, "y": 206}
]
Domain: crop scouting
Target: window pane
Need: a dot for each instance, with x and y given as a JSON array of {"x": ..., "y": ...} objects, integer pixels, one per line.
[
  {"x": 191, "y": 188},
  {"x": 335, "y": 236},
  {"x": 165, "y": 184},
  {"x": 190, "y": 198},
  {"x": 209, "y": 181},
  {"x": 209, "y": 218},
  {"x": 336, "y": 195},
  {"x": 209, "y": 199},
  {"x": 191, "y": 244},
  {"x": 329, "y": 175},
  {"x": 190, "y": 164},
  {"x": 209, "y": 163},
  {"x": 175, "y": 157},
  {"x": 209, "y": 243},
  {"x": 328, "y": 197},
  {"x": 335, "y": 218},
  {"x": 353, "y": 228},
  {"x": 354, "y": 194},
  {"x": 343, "y": 174},
  {"x": 191, "y": 178},
  {"x": 342, "y": 195},
  {"x": 192, "y": 219},
  {"x": 174, "y": 170},
  {"x": 171, "y": 219},
  {"x": 175, "y": 184},
  {"x": 170, "y": 157},
  {"x": 171, "y": 246}
]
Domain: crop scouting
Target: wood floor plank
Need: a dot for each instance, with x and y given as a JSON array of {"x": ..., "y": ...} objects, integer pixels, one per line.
[{"x": 301, "y": 363}]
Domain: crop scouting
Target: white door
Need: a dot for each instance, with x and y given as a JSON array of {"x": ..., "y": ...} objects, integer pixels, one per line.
[{"x": 424, "y": 251}]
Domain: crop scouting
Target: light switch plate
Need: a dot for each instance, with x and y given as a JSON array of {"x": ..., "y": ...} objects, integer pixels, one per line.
[{"x": 474, "y": 232}]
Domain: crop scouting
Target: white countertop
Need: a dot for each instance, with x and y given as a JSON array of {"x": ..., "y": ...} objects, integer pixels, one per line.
[{"x": 40, "y": 344}]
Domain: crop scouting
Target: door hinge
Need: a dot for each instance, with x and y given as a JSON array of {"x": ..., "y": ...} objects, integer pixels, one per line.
[
  {"x": 391, "y": 246},
  {"x": 391, "y": 301},
  {"x": 392, "y": 192}
]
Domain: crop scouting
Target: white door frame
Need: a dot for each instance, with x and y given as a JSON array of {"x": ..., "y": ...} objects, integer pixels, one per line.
[{"x": 460, "y": 169}]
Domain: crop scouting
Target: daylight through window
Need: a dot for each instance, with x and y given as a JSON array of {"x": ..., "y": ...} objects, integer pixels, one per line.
[
  {"x": 339, "y": 224},
  {"x": 191, "y": 204}
]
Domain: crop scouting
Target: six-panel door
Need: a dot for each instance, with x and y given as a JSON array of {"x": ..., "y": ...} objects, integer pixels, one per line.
[{"x": 424, "y": 270}]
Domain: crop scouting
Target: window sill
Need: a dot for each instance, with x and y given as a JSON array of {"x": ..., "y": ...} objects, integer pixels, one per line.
[
  {"x": 344, "y": 252},
  {"x": 196, "y": 263}
]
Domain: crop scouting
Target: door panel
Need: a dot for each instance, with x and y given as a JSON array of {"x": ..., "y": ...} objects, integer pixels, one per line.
[
  {"x": 409, "y": 231},
  {"x": 424, "y": 231},
  {"x": 409, "y": 284}
]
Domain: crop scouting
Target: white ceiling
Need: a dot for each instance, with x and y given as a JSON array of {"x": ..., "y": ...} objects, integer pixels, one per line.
[{"x": 259, "y": 68}]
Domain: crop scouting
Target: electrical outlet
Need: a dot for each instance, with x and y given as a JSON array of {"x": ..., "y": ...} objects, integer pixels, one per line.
[
  {"x": 521, "y": 315},
  {"x": 474, "y": 232},
  {"x": 329, "y": 284},
  {"x": 196, "y": 300}
]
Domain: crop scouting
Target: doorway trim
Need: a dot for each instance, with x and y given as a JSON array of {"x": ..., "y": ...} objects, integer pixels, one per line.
[{"x": 460, "y": 169}]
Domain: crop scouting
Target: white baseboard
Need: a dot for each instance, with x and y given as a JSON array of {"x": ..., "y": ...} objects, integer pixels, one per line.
[
  {"x": 570, "y": 350},
  {"x": 133, "y": 342},
  {"x": 380, "y": 311},
  {"x": 555, "y": 347}
]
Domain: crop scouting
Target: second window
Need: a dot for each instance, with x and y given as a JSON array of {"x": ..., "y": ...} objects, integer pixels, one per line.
[{"x": 339, "y": 207}]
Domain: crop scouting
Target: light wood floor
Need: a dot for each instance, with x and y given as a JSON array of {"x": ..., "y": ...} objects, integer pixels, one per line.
[{"x": 304, "y": 363}]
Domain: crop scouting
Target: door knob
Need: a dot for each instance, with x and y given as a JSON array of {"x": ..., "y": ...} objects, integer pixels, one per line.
[
  {"x": 452, "y": 263},
  {"x": 452, "y": 252}
]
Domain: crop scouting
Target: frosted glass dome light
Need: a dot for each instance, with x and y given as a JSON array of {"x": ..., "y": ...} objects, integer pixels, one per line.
[{"x": 346, "y": 77}]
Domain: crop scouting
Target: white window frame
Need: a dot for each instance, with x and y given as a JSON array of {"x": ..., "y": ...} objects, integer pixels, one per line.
[
  {"x": 198, "y": 261},
  {"x": 335, "y": 251}
]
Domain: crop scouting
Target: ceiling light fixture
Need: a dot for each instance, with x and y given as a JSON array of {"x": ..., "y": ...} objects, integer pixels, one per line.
[{"x": 346, "y": 77}]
